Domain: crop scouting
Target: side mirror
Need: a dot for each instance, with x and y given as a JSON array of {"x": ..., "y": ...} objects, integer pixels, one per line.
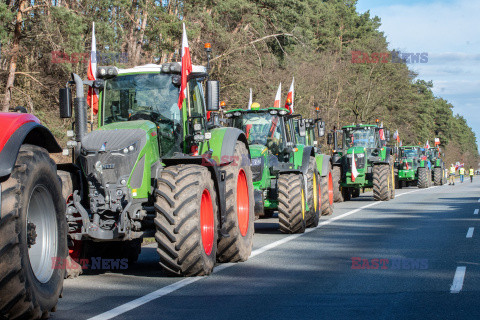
[
  {"x": 330, "y": 138},
  {"x": 213, "y": 95},
  {"x": 65, "y": 98},
  {"x": 302, "y": 128},
  {"x": 321, "y": 128}
]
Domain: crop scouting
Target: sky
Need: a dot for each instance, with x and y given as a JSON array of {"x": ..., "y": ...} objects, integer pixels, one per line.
[{"x": 449, "y": 31}]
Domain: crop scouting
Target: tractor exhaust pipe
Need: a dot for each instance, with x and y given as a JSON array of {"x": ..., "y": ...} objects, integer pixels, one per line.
[{"x": 80, "y": 105}]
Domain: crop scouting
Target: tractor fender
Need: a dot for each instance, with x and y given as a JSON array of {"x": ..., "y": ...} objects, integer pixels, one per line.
[
  {"x": 323, "y": 162},
  {"x": 307, "y": 152},
  {"x": 26, "y": 130},
  {"x": 222, "y": 145}
]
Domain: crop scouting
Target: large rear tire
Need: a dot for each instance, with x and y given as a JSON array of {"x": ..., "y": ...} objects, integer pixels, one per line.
[
  {"x": 312, "y": 216},
  {"x": 337, "y": 179},
  {"x": 327, "y": 191},
  {"x": 186, "y": 221},
  {"x": 392, "y": 181},
  {"x": 422, "y": 178},
  {"x": 240, "y": 217},
  {"x": 437, "y": 176},
  {"x": 33, "y": 235},
  {"x": 291, "y": 203},
  {"x": 381, "y": 178}
]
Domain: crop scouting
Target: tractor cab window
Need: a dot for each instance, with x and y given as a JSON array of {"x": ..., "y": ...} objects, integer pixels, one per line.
[
  {"x": 151, "y": 97},
  {"x": 298, "y": 138},
  {"x": 196, "y": 105},
  {"x": 365, "y": 137},
  {"x": 262, "y": 128}
]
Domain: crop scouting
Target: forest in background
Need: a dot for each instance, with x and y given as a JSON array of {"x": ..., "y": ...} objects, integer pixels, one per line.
[{"x": 256, "y": 44}]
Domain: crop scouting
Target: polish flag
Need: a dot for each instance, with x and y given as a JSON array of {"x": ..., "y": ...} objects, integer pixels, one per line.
[
  {"x": 290, "y": 96},
  {"x": 276, "y": 104},
  {"x": 427, "y": 145},
  {"x": 354, "y": 167},
  {"x": 437, "y": 141},
  {"x": 92, "y": 96},
  {"x": 186, "y": 68},
  {"x": 250, "y": 100}
]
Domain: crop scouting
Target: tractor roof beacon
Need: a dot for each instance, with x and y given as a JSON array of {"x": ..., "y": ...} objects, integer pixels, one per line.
[{"x": 154, "y": 169}]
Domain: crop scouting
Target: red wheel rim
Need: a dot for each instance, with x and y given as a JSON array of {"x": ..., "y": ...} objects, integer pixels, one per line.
[
  {"x": 330, "y": 188},
  {"x": 243, "y": 207},
  {"x": 207, "y": 222}
]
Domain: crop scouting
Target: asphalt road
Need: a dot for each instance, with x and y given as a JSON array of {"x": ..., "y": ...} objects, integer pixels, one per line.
[{"x": 433, "y": 269}]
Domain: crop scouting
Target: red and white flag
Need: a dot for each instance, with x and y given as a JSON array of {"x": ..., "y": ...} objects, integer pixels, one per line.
[
  {"x": 437, "y": 141},
  {"x": 92, "y": 97},
  {"x": 427, "y": 145},
  {"x": 354, "y": 167},
  {"x": 186, "y": 68},
  {"x": 276, "y": 104},
  {"x": 290, "y": 97}
]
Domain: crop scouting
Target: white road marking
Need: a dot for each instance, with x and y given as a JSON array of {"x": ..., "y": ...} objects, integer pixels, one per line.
[
  {"x": 457, "y": 284},
  {"x": 470, "y": 232},
  {"x": 115, "y": 312},
  {"x": 476, "y": 211}
]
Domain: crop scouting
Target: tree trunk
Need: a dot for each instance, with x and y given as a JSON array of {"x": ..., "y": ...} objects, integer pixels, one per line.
[{"x": 13, "y": 60}]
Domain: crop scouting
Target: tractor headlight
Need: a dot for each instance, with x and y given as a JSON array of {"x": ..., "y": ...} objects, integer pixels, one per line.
[
  {"x": 273, "y": 112},
  {"x": 107, "y": 72},
  {"x": 228, "y": 115},
  {"x": 256, "y": 161},
  {"x": 237, "y": 113},
  {"x": 360, "y": 155},
  {"x": 283, "y": 112}
]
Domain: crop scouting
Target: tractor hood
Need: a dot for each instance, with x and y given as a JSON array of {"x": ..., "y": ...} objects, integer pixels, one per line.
[
  {"x": 357, "y": 150},
  {"x": 258, "y": 150},
  {"x": 117, "y": 136}
]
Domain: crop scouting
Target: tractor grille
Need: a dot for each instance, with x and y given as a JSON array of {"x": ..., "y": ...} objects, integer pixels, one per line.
[{"x": 360, "y": 162}]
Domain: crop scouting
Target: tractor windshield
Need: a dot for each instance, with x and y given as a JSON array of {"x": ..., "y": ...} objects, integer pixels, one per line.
[
  {"x": 360, "y": 137},
  {"x": 262, "y": 128},
  {"x": 150, "y": 96},
  {"x": 410, "y": 153}
]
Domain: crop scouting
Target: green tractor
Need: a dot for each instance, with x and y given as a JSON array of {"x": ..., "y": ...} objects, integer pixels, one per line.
[
  {"x": 407, "y": 165},
  {"x": 310, "y": 139},
  {"x": 286, "y": 176},
  {"x": 424, "y": 169},
  {"x": 152, "y": 169},
  {"x": 438, "y": 166},
  {"x": 363, "y": 161}
]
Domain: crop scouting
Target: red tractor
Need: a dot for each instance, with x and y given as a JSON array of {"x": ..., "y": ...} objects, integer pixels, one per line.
[{"x": 33, "y": 239}]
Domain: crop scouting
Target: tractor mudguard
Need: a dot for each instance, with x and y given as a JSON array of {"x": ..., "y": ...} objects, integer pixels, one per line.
[
  {"x": 301, "y": 158},
  {"x": 222, "y": 145},
  {"x": 322, "y": 161},
  {"x": 31, "y": 132}
]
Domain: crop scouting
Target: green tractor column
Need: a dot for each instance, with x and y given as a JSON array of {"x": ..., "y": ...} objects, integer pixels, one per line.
[
  {"x": 280, "y": 168},
  {"x": 153, "y": 169},
  {"x": 324, "y": 167},
  {"x": 374, "y": 162},
  {"x": 408, "y": 163},
  {"x": 438, "y": 166},
  {"x": 424, "y": 169}
]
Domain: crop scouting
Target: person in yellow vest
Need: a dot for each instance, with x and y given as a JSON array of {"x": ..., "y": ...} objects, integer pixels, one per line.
[
  {"x": 462, "y": 173},
  {"x": 452, "y": 175},
  {"x": 471, "y": 174}
]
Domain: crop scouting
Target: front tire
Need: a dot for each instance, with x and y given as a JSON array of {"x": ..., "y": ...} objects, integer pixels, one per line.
[
  {"x": 327, "y": 191},
  {"x": 33, "y": 239},
  {"x": 312, "y": 216},
  {"x": 381, "y": 178},
  {"x": 240, "y": 202},
  {"x": 337, "y": 178},
  {"x": 422, "y": 178},
  {"x": 437, "y": 176},
  {"x": 186, "y": 221},
  {"x": 291, "y": 203}
]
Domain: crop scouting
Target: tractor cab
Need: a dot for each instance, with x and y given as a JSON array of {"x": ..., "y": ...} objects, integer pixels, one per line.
[
  {"x": 409, "y": 158},
  {"x": 264, "y": 127},
  {"x": 149, "y": 94}
]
